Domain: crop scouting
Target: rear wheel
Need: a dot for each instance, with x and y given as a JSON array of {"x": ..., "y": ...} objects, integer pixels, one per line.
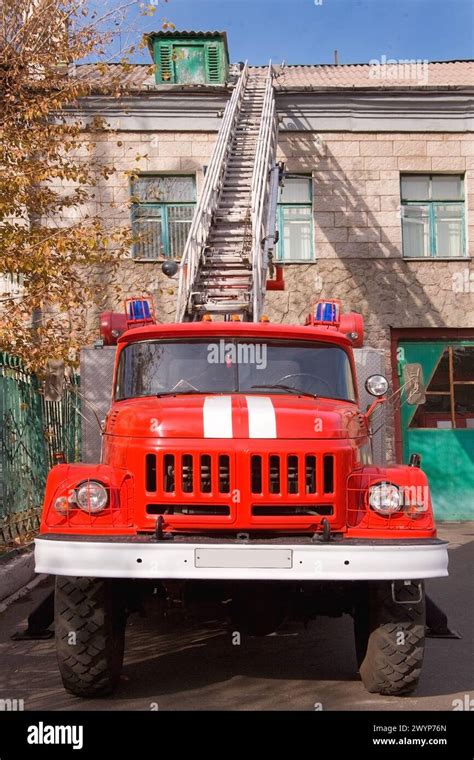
[
  {"x": 390, "y": 636},
  {"x": 90, "y": 635}
]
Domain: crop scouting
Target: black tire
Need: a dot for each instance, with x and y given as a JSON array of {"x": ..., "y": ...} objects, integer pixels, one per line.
[
  {"x": 390, "y": 664},
  {"x": 90, "y": 609}
]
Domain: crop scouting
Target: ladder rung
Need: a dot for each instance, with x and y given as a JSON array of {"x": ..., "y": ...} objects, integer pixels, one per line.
[
  {"x": 219, "y": 293},
  {"x": 235, "y": 308},
  {"x": 226, "y": 286},
  {"x": 228, "y": 295},
  {"x": 225, "y": 227},
  {"x": 233, "y": 219},
  {"x": 230, "y": 261},
  {"x": 223, "y": 284},
  {"x": 207, "y": 271}
]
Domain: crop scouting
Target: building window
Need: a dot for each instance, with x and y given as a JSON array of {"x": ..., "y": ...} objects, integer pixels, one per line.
[
  {"x": 449, "y": 397},
  {"x": 433, "y": 216},
  {"x": 162, "y": 211},
  {"x": 295, "y": 220}
]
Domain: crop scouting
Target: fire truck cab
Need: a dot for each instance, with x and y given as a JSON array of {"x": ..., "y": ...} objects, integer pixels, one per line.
[{"x": 236, "y": 466}]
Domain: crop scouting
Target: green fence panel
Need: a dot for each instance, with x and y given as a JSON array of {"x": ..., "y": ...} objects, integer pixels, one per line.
[{"x": 34, "y": 433}]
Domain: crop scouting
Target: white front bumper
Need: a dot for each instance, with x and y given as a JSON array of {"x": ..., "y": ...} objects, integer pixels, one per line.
[{"x": 255, "y": 561}]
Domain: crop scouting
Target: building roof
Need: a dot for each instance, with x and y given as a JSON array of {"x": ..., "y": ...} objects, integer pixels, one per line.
[
  {"x": 402, "y": 75},
  {"x": 183, "y": 34},
  {"x": 407, "y": 73}
]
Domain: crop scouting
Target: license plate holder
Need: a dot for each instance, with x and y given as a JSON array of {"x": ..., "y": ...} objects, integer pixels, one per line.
[{"x": 250, "y": 558}]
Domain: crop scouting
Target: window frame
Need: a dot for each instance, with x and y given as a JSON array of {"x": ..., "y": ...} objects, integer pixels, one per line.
[
  {"x": 281, "y": 207},
  {"x": 450, "y": 393},
  {"x": 163, "y": 207},
  {"x": 432, "y": 206}
]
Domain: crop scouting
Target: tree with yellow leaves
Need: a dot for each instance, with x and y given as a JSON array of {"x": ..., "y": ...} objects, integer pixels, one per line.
[{"x": 45, "y": 174}]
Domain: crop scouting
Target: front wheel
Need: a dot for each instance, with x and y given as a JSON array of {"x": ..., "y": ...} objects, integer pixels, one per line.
[
  {"x": 89, "y": 622},
  {"x": 390, "y": 636}
]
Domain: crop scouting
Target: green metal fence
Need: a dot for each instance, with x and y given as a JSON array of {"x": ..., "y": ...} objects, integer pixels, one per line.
[{"x": 33, "y": 432}]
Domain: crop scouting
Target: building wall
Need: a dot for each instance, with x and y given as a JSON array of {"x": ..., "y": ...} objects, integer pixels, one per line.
[
  {"x": 141, "y": 152},
  {"x": 357, "y": 231},
  {"x": 357, "y": 225}
]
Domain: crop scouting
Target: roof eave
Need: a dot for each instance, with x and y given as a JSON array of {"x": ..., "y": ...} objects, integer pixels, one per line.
[{"x": 187, "y": 34}]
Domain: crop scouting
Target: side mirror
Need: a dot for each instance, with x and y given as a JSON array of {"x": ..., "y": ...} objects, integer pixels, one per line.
[
  {"x": 376, "y": 385},
  {"x": 414, "y": 384}
]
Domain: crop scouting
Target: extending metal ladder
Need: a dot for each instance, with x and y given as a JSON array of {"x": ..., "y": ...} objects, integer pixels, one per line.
[{"x": 229, "y": 247}]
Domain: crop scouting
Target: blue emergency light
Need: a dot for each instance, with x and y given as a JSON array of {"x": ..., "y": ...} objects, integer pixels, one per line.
[
  {"x": 327, "y": 313},
  {"x": 139, "y": 312}
]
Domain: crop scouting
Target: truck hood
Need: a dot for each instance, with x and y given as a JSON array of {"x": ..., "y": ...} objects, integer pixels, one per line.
[{"x": 236, "y": 416}]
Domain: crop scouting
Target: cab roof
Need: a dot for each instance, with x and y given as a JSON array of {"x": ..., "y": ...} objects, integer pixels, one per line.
[{"x": 260, "y": 330}]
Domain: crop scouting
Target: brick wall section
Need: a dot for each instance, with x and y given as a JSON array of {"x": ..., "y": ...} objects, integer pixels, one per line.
[
  {"x": 356, "y": 188},
  {"x": 176, "y": 153},
  {"x": 357, "y": 227},
  {"x": 356, "y": 184}
]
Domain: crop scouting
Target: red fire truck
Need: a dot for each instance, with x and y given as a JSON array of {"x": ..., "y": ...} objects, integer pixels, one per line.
[{"x": 236, "y": 465}]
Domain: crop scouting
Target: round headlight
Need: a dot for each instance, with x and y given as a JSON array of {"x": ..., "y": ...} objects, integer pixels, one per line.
[
  {"x": 91, "y": 496},
  {"x": 376, "y": 385},
  {"x": 385, "y": 498}
]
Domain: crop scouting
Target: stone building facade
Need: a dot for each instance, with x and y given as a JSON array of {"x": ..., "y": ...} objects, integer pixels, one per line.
[{"x": 358, "y": 139}]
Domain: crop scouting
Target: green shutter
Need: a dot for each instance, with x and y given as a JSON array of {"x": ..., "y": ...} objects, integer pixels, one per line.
[
  {"x": 164, "y": 61},
  {"x": 213, "y": 63}
]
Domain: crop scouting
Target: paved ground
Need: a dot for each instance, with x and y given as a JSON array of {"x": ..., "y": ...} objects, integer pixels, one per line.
[{"x": 198, "y": 668}]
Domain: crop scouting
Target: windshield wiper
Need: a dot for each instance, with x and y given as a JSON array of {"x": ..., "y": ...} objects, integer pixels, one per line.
[
  {"x": 289, "y": 388},
  {"x": 179, "y": 393}
]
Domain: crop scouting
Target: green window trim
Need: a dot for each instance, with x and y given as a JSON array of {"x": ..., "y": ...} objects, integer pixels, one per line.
[
  {"x": 164, "y": 63},
  {"x": 284, "y": 210},
  {"x": 166, "y": 239},
  {"x": 160, "y": 227},
  {"x": 432, "y": 207},
  {"x": 213, "y": 63},
  {"x": 167, "y": 57}
]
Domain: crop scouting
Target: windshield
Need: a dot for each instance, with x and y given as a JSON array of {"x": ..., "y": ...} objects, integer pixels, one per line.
[{"x": 160, "y": 367}]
